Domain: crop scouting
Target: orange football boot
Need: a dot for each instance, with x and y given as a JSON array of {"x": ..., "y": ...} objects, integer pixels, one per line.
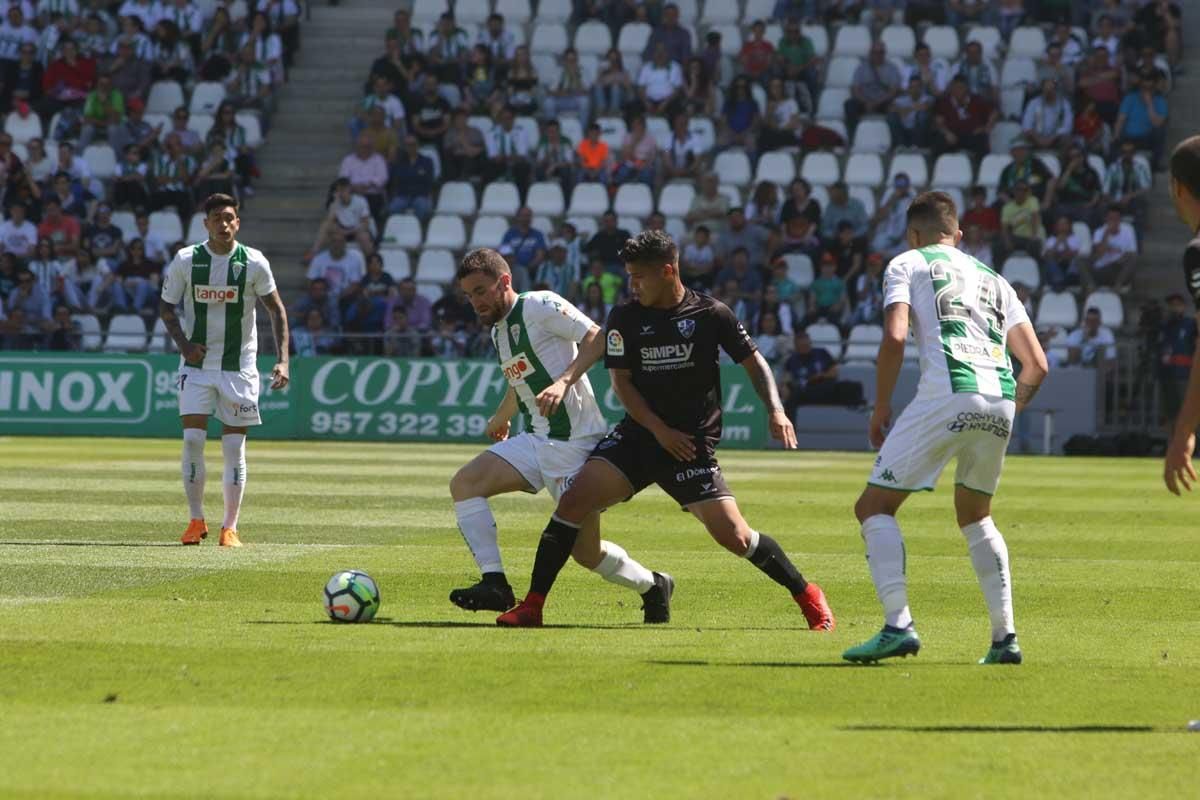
[
  {"x": 229, "y": 538},
  {"x": 196, "y": 530}
]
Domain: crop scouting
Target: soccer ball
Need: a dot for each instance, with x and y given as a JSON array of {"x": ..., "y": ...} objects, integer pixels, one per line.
[{"x": 351, "y": 596}]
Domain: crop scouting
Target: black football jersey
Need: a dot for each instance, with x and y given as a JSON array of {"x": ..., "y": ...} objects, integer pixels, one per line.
[{"x": 672, "y": 355}]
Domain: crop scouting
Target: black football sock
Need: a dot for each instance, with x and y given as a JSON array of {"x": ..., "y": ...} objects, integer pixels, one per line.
[
  {"x": 770, "y": 558},
  {"x": 495, "y": 579},
  {"x": 558, "y": 540}
]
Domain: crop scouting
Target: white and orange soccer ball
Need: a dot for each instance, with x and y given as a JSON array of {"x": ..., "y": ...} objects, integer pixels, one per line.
[{"x": 351, "y": 596}]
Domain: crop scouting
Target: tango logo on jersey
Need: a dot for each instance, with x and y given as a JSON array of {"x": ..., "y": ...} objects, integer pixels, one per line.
[
  {"x": 686, "y": 327},
  {"x": 210, "y": 295},
  {"x": 517, "y": 368},
  {"x": 616, "y": 343},
  {"x": 670, "y": 356}
]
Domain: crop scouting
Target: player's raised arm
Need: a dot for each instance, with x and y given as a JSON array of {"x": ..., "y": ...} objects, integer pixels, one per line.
[
  {"x": 887, "y": 369},
  {"x": 1024, "y": 344},
  {"x": 763, "y": 381},
  {"x": 279, "y": 329}
]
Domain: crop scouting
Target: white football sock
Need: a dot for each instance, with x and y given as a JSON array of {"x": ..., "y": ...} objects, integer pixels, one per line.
[
  {"x": 193, "y": 470},
  {"x": 617, "y": 567},
  {"x": 233, "y": 446},
  {"x": 886, "y": 558},
  {"x": 989, "y": 556},
  {"x": 478, "y": 528}
]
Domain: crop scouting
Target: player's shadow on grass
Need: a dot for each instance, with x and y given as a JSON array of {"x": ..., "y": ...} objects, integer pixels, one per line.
[
  {"x": 441, "y": 623},
  {"x": 772, "y": 664},
  {"x": 64, "y": 543},
  {"x": 1005, "y": 728}
]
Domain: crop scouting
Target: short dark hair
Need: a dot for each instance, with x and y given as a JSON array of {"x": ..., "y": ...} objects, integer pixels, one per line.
[
  {"x": 649, "y": 247},
  {"x": 1093, "y": 310},
  {"x": 933, "y": 213},
  {"x": 1116, "y": 208},
  {"x": 340, "y": 182},
  {"x": 218, "y": 201},
  {"x": 1185, "y": 165},
  {"x": 484, "y": 260}
]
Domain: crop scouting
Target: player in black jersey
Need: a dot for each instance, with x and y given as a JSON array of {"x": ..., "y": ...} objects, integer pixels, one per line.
[
  {"x": 662, "y": 350},
  {"x": 1185, "y": 191}
]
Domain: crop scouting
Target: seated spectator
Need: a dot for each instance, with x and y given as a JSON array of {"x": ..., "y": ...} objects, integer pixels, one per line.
[
  {"x": 1053, "y": 68},
  {"x": 683, "y": 157},
  {"x": 400, "y": 340},
  {"x": 934, "y": 72},
  {"x": 785, "y": 288},
  {"x": 509, "y": 151},
  {"x": 368, "y": 174},
  {"x": 1075, "y": 193},
  {"x": 57, "y": 277},
  {"x": 963, "y": 121},
  {"x": 876, "y": 83},
  {"x": 78, "y": 171},
  {"x": 410, "y": 182},
  {"x": 868, "y": 293},
  {"x": 595, "y": 162},
  {"x": 1024, "y": 297},
  {"x": 31, "y": 302},
  {"x": 606, "y": 244},
  {"x": 415, "y": 305},
  {"x": 140, "y": 281},
  {"x": 764, "y": 208},
  {"x": 739, "y": 233},
  {"x": 215, "y": 174},
  {"x": 1092, "y": 344},
  {"x": 1027, "y": 168},
  {"x": 960, "y": 12},
  {"x": 981, "y": 214},
  {"x": 1107, "y": 37},
  {"x": 171, "y": 57},
  {"x": 18, "y": 235},
  {"x": 593, "y": 304},
  {"x": 1099, "y": 81},
  {"x": 249, "y": 84},
  {"x": 774, "y": 345},
  {"x": 1177, "y": 340},
  {"x": 1126, "y": 184},
  {"x": 528, "y": 246},
  {"x": 613, "y": 88},
  {"x": 660, "y": 84},
  {"x": 757, "y": 52},
  {"x": 364, "y": 321},
  {"x": 464, "y": 149},
  {"x": 843, "y": 208},
  {"x": 448, "y": 342},
  {"x": 771, "y": 303},
  {"x": 1142, "y": 119},
  {"x": 740, "y": 119},
  {"x": 810, "y": 377},
  {"x": 674, "y": 39},
  {"x": 909, "y": 115},
  {"x": 152, "y": 243},
  {"x": 65, "y": 333},
  {"x": 827, "y": 295},
  {"x": 574, "y": 245},
  {"x": 1159, "y": 25},
  {"x": 891, "y": 219},
  {"x": 103, "y": 109},
  {"x": 430, "y": 116},
  {"x": 610, "y": 283},
  {"x": 342, "y": 270},
  {"x": 132, "y": 74},
  {"x": 555, "y": 157},
  {"x": 1048, "y": 119},
  {"x": 639, "y": 154},
  {"x": 747, "y": 279},
  {"x": 383, "y": 98},
  {"x": 377, "y": 282},
  {"x": 62, "y": 229},
  {"x": 69, "y": 196},
  {"x": 800, "y": 203},
  {"x": 556, "y": 272},
  {"x": 976, "y": 244},
  {"x": 1021, "y": 222},
  {"x": 980, "y": 74},
  {"x": 24, "y": 80},
  {"x": 483, "y": 87},
  {"x": 1113, "y": 256},
  {"x": 500, "y": 43},
  {"x": 171, "y": 177},
  {"x": 698, "y": 261},
  {"x": 102, "y": 237},
  {"x": 848, "y": 252},
  {"x": 699, "y": 90},
  {"x": 570, "y": 94},
  {"x": 67, "y": 80},
  {"x": 268, "y": 46},
  {"x": 320, "y": 299},
  {"x": 709, "y": 206},
  {"x": 189, "y": 140},
  {"x": 521, "y": 86},
  {"x": 348, "y": 217},
  {"x": 133, "y": 129},
  {"x": 38, "y": 166},
  {"x": 799, "y": 56},
  {"x": 313, "y": 338},
  {"x": 1059, "y": 257}
]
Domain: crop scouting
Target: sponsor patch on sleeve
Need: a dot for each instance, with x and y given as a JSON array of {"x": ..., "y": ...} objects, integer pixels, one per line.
[{"x": 616, "y": 343}]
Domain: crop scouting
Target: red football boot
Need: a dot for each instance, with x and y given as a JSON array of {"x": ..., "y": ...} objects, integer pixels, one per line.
[
  {"x": 816, "y": 608},
  {"x": 527, "y": 614}
]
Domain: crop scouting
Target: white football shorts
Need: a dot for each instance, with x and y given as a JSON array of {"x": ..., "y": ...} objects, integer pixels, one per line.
[
  {"x": 930, "y": 432},
  {"x": 543, "y": 462},
  {"x": 231, "y": 396}
]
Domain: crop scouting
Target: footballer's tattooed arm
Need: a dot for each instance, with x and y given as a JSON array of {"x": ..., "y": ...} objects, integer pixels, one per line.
[
  {"x": 192, "y": 353},
  {"x": 1025, "y": 347},
  {"x": 1026, "y": 393},
  {"x": 763, "y": 381},
  {"x": 279, "y": 329}
]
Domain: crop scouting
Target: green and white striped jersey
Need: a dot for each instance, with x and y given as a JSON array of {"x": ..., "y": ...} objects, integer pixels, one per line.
[
  {"x": 219, "y": 294},
  {"x": 962, "y": 312},
  {"x": 535, "y": 343}
]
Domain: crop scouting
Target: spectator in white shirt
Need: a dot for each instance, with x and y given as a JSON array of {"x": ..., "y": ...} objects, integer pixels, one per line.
[
  {"x": 1059, "y": 256},
  {"x": 18, "y": 235},
  {"x": 684, "y": 154},
  {"x": 508, "y": 149},
  {"x": 1092, "y": 344},
  {"x": 1107, "y": 38},
  {"x": 891, "y": 220},
  {"x": 660, "y": 84},
  {"x": 368, "y": 173},
  {"x": 1048, "y": 118},
  {"x": 349, "y": 217},
  {"x": 339, "y": 267},
  {"x": 499, "y": 42},
  {"x": 934, "y": 73},
  {"x": 1113, "y": 256}
]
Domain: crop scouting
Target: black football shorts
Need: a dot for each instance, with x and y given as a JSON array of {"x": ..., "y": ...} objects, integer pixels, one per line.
[{"x": 635, "y": 453}]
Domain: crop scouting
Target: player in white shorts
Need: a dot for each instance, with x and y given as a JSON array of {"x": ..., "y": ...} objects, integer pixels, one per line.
[
  {"x": 219, "y": 281},
  {"x": 966, "y": 320},
  {"x": 545, "y": 346}
]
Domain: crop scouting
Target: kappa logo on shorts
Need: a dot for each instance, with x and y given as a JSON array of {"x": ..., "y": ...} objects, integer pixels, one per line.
[
  {"x": 616, "y": 343},
  {"x": 887, "y": 475},
  {"x": 686, "y": 327}
]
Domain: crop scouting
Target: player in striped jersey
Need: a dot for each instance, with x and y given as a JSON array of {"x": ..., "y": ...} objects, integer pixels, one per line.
[
  {"x": 545, "y": 347},
  {"x": 219, "y": 281},
  {"x": 966, "y": 320}
]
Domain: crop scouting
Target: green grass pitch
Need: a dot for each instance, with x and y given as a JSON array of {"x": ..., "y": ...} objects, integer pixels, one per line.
[{"x": 133, "y": 667}]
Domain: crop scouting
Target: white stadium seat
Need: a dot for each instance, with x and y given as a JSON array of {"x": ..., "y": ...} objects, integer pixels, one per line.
[
  {"x": 549, "y": 37},
  {"x": 779, "y": 167},
  {"x": 720, "y": 12},
  {"x": 634, "y": 200},
  {"x": 593, "y": 37},
  {"x": 942, "y": 41},
  {"x": 989, "y": 39},
  {"x": 826, "y": 336},
  {"x": 914, "y": 164},
  {"x": 676, "y": 228},
  {"x": 991, "y": 167},
  {"x": 588, "y": 199},
  {"x": 1108, "y": 302},
  {"x": 900, "y": 41},
  {"x": 1018, "y": 71},
  {"x": 558, "y": 11},
  {"x": 864, "y": 195},
  {"x": 1058, "y": 309},
  {"x": 488, "y": 231},
  {"x": 660, "y": 129},
  {"x": 872, "y": 136},
  {"x": 731, "y": 39},
  {"x": 446, "y": 232},
  {"x": 832, "y": 104},
  {"x": 1027, "y": 41},
  {"x": 863, "y": 343},
  {"x": 431, "y": 291},
  {"x": 196, "y": 231},
  {"x": 633, "y": 37},
  {"x": 501, "y": 199},
  {"x": 1012, "y": 102},
  {"x": 101, "y": 160},
  {"x": 164, "y": 97},
  {"x": 754, "y": 10},
  {"x": 864, "y": 169},
  {"x": 1022, "y": 269},
  {"x": 206, "y": 96},
  {"x": 167, "y": 226},
  {"x": 250, "y": 122},
  {"x": 703, "y": 129},
  {"x": 585, "y": 226},
  {"x": 546, "y": 198},
  {"x": 1084, "y": 234},
  {"x": 612, "y": 131},
  {"x": 629, "y": 223},
  {"x": 402, "y": 231},
  {"x": 22, "y": 129},
  {"x": 799, "y": 270},
  {"x": 733, "y": 167},
  {"x": 435, "y": 266},
  {"x": 89, "y": 331},
  {"x": 953, "y": 169},
  {"x": 820, "y": 169},
  {"x": 471, "y": 11},
  {"x": 127, "y": 222},
  {"x": 1050, "y": 160},
  {"x": 126, "y": 332},
  {"x": 482, "y": 124},
  {"x": 456, "y": 197},
  {"x": 1002, "y": 136},
  {"x": 675, "y": 199},
  {"x": 396, "y": 263},
  {"x": 518, "y": 12},
  {"x": 160, "y": 339},
  {"x": 852, "y": 40},
  {"x": 199, "y": 123},
  {"x": 427, "y": 11},
  {"x": 840, "y": 74},
  {"x": 819, "y": 37}
]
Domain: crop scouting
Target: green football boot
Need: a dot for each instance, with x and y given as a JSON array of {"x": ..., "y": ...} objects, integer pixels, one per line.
[
  {"x": 1004, "y": 652},
  {"x": 888, "y": 643}
]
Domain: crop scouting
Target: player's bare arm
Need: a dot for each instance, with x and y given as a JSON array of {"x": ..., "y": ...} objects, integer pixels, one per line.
[
  {"x": 279, "y": 329},
  {"x": 1177, "y": 467},
  {"x": 887, "y": 369},
  {"x": 591, "y": 349},
  {"x": 763, "y": 381},
  {"x": 677, "y": 443},
  {"x": 500, "y": 422},
  {"x": 192, "y": 353},
  {"x": 1024, "y": 344}
]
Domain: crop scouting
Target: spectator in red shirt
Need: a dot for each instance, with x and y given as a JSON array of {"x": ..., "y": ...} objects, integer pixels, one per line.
[
  {"x": 67, "y": 80},
  {"x": 60, "y": 228},
  {"x": 755, "y": 57},
  {"x": 963, "y": 121},
  {"x": 981, "y": 214}
]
